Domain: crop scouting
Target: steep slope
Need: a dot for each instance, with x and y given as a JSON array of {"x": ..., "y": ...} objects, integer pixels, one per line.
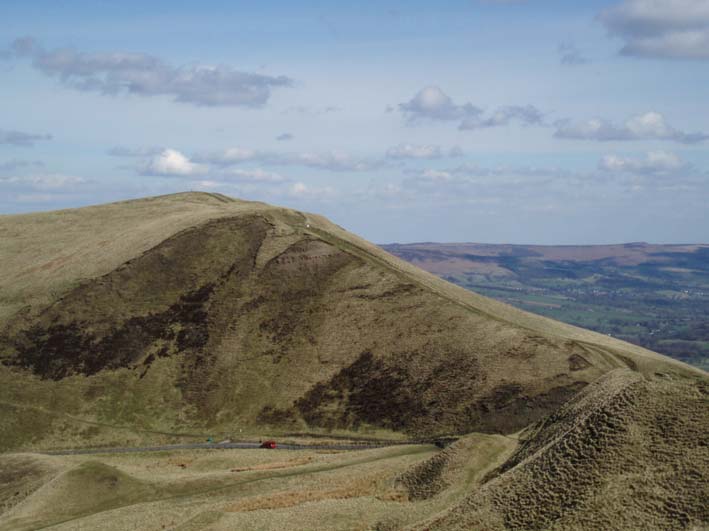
[
  {"x": 628, "y": 452},
  {"x": 199, "y": 313}
]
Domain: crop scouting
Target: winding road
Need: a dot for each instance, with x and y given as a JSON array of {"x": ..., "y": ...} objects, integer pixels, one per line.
[{"x": 231, "y": 445}]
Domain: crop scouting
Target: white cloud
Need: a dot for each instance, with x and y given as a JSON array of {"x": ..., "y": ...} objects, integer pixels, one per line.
[
  {"x": 648, "y": 126},
  {"x": 670, "y": 29},
  {"x": 171, "y": 162},
  {"x": 333, "y": 160},
  {"x": 300, "y": 190},
  {"x": 654, "y": 163},
  {"x": 145, "y": 75},
  {"x": 432, "y": 104},
  {"x": 411, "y": 151},
  {"x": 522, "y": 114}
]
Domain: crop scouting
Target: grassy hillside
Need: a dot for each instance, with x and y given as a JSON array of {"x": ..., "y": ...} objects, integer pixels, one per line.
[
  {"x": 628, "y": 452},
  {"x": 197, "y": 314}
]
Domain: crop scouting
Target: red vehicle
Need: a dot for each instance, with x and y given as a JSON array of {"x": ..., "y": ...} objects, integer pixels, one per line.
[{"x": 268, "y": 444}]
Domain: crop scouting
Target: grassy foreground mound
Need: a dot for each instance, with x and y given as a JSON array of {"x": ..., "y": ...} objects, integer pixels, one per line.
[
  {"x": 628, "y": 452},
  {"x": 198, "y": 314}
]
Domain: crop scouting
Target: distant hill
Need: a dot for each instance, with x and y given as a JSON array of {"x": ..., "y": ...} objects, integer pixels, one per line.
[
  {"x": 199, "y": 313},
  {"x": 656, "y": 296}
]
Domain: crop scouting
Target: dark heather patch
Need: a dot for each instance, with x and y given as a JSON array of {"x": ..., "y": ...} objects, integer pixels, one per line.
[
  {"x": 385, "y": 392},
  {"x": 368, "y": 391},
  {"x": 153, "y": 306},
  {"x": 62, "y": 350},
  {"x": 290, "y": 289},
  {"x": 400, "y": 289},
  {"x": 426, "y": 480},
  {"x": 508, "y": 409},
  {"x": 578, "y": 363}
]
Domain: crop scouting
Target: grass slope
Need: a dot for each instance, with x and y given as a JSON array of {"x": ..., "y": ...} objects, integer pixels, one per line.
[
  {"x": 628, "y": 452},
  {"x": 197, "y": 314}
]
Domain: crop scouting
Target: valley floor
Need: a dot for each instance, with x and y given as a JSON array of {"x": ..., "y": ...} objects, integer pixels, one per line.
[{"x": 231, "y": 488}]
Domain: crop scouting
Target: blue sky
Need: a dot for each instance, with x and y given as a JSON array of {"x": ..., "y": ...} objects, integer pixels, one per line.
[{"x": 519, "y": 121}]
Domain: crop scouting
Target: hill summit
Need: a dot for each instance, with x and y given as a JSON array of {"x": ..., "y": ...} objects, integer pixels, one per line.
[{"x": 199, "y": 313}]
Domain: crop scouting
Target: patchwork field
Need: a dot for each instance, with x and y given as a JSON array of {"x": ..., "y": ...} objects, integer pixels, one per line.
[{"x": 655, "y": 296}]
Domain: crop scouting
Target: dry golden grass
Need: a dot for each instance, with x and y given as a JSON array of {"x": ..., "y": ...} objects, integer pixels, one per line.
[
  {"x": 154, "y": 489},
  {"x": 280, "y": 500},
  {"x": 627, "y": 453},
  {"x": 291, "y": 294},
  {"x": 277, "y": 464},
  {"x": 189, "y": 316}
]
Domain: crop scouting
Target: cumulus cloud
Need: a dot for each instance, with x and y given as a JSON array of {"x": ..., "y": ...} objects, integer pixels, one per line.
[
  {"x": 647, "y": 126},
  {"x": 333, "y": 160},
  {"x": 655, "y": 163},
  {"x": 418, "y": 151},
  {"x": 521, "y": 114},
  {"x": 172, "y": 163},
  {"x": 20, "y": 138},
  {"x": 432, "y": 104},
  {"x": 570, "y": 55},
  {"x": 670, "y": 29},
  {"x": 145, "y": 75}
]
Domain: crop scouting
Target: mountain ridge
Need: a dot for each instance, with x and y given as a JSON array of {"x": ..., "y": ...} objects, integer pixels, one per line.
[{"x": 203, "y": 312}]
